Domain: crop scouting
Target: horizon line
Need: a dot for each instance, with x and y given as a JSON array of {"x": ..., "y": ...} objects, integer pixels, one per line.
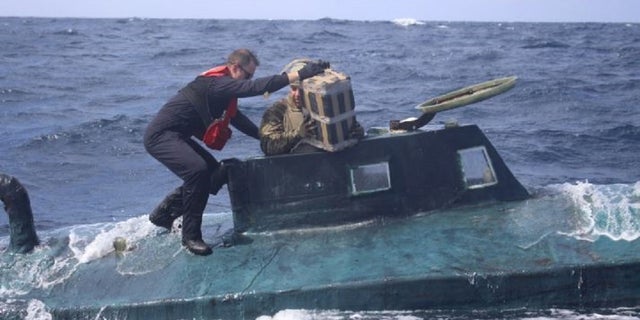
[{"x": 416, "y": 20}]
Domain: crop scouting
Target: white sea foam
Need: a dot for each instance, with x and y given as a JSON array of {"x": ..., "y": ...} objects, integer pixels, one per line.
[
  {"x": 571, "y": 315},
  {"x": 605, "y": 210},
  {"x": 62, "y": 251},
  {"x": 302, "y": 314},
  {"x": 37, "y": 311},
  {"x": 88, "y": 246}
]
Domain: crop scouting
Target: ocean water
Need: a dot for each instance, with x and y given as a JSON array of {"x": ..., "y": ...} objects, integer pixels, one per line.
[{"x": 77, "y": 94}]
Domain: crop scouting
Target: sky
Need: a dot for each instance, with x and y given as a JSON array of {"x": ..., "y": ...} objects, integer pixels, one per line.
[{"x": 627, "y": 11}]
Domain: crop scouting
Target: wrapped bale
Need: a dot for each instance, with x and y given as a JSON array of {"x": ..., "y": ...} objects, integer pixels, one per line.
[{"x": 328, "y": 98}]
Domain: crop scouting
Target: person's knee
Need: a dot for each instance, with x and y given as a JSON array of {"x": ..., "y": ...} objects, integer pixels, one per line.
[
  {"x": 200, "y": 173},
  {"x": 148, "y": 140}
]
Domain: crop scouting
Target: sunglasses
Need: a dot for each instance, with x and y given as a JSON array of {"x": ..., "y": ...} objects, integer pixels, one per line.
[{"x": 248, "y": 74}]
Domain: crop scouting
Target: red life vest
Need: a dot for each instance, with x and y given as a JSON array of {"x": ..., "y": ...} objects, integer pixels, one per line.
[
  {"x": 221, "y": 71},
  {"x": 217, "y": 134}
]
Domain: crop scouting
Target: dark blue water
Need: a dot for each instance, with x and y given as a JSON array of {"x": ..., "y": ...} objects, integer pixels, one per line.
[{"x": 77, "y": 94}]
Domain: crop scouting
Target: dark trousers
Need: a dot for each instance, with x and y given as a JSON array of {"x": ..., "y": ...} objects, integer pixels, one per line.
[{"x": 194, "y": 165}]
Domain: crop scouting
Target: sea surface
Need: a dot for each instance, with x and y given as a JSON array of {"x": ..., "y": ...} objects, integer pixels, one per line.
[{"x": 77, "y": 94}]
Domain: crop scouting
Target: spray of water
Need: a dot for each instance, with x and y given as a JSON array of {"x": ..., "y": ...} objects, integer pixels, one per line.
[{"x": 611, "y": 211}]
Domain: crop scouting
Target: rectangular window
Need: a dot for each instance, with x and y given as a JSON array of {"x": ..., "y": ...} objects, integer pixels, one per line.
[
  {"x": 370, "y": 178},
  {"x": 476, "y": 167}
]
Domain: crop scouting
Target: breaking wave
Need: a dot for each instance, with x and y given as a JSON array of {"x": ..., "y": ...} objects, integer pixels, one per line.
[
  {"x": 611, "y": 211},
  {"x": 405, "y": 22}
]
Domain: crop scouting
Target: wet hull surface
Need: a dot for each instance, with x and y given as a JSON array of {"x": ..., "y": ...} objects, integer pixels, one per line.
[{"x": 501, "y": 255}]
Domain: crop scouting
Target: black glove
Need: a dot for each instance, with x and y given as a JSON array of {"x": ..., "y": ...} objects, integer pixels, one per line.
[{"x": 312, "y": 69}]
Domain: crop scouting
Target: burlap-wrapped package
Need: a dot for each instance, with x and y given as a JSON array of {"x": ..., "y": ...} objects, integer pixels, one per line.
[{"x": 329, "y": 99}]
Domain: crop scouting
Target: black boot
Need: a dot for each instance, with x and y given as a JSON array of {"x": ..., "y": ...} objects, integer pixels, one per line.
[
  {"x": 168, "y": 210},
  {"x": 197, "y": 247}
]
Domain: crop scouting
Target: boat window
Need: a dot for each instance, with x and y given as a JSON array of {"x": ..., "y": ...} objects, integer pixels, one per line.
[
  {"x": 477, "y": 170},
  {"x": 370, "y": 178}
]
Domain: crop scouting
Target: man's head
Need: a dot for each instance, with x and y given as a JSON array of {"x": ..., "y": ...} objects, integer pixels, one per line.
[
  {"x": 242, "y": 64},
  {"x": 295, "y": 94}
]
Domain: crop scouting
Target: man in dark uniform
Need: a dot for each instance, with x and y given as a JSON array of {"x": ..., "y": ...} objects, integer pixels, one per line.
[{"x": 168, "y": 137}]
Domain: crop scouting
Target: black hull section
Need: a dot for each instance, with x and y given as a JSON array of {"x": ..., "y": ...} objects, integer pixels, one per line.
[
  {"x": 318, "y": 189},
  {"x": 18, "y": 207}
]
